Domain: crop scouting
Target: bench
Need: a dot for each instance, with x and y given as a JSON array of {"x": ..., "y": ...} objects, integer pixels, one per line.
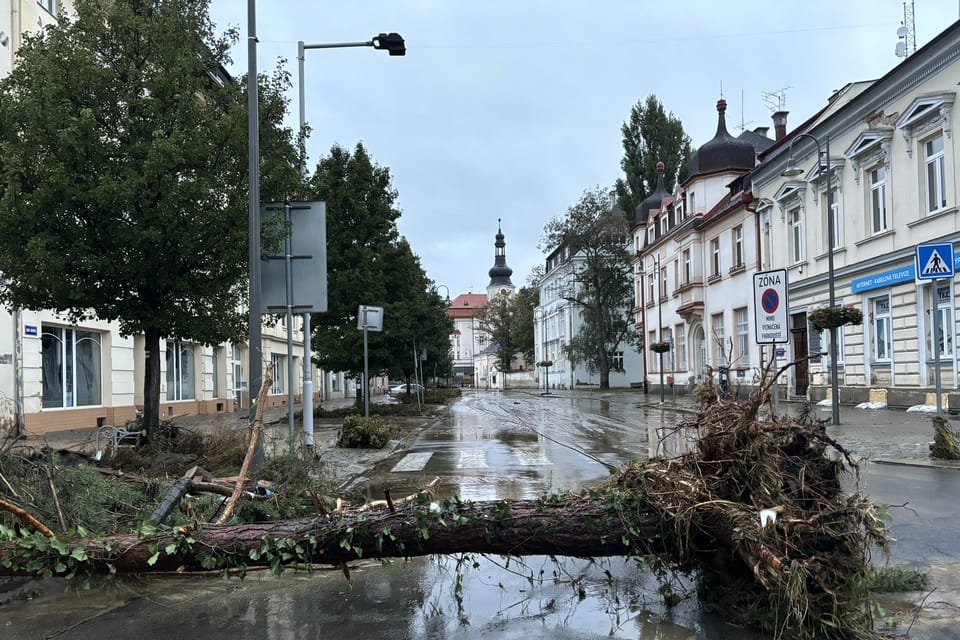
[{"x": 116, "y": 435}]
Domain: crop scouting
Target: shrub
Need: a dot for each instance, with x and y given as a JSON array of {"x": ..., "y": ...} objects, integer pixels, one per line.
[{"x": 364, "y": 433}]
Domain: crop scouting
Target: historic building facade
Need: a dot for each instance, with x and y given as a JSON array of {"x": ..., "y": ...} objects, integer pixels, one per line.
[
  {"x": 696, "y": 252},
  {"x": 893, "y": 184}
]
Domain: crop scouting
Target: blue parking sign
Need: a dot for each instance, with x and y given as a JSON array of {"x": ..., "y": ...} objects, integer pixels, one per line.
[{"x": 935, "y": 261}]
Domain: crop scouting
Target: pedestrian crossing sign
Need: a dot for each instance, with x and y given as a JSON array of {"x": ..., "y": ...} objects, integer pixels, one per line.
[{"x": 935, "y": 261}]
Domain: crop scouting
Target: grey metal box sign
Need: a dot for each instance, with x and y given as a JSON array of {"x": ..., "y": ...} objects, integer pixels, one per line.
[{"x": 308, "y": 265}]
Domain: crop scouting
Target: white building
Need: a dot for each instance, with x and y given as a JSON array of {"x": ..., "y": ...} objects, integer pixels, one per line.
[
  {"x": 893, "y": 185},
  {"x": 696, "y": 252},
  {"x": 557, "y": 321}
]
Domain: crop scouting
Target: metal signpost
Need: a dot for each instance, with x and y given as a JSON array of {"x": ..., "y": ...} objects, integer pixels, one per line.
[
  {"x": 771, "y": 319},
  {"x": 296, "y": 281},
  {"x": 935, "y": 261},
  {"x": 368, "y": 319}
]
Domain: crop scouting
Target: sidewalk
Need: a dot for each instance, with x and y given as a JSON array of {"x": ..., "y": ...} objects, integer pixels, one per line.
[{"x": 274, "y": 418}]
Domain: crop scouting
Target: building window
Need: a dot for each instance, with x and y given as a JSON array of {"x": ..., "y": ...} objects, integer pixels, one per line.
[
  {"x": 945, "y": 336},
  {"x": 616, "y": 360},
  {"x": 663, "y": 282},
  {"x": 738, "y": 246},
  {"x": 279, "y": 374},
  {"x": 687, "y": 267},
  {"x": 49, "y": 5},
  {"x": 935, "y": 177},
  {"x": 796, "y": 235},
  {"x": 715, "y": 253},
  {"x": 719, "y": 348},
  {"x": 882, "y": 336},
  {"x": 681, "y": 347},
  {"x": 833, "y": 209},
  {"x": 650, "y": 282},
  {"x": 653, "y": 354},
  {"x": 878, "y": 200},
  {"x": 71, "y": 367},
  {"x": 743, "y": 336},
  {"x": 181, "y": 371}
]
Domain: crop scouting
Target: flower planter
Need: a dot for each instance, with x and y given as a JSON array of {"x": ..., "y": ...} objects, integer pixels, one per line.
[
  {"x": 834, "y": 317},
  {"x": 660, "y": 347}
]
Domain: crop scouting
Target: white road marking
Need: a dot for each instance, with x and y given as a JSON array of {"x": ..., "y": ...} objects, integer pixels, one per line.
[
  {"x": 472, "y": 459},
  {"x": 413, "y": 462}
]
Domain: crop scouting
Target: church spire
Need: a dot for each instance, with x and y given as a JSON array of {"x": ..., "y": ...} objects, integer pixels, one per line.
[{"x": 500, "y": 273}]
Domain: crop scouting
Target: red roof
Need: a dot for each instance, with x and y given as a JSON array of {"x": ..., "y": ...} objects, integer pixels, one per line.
[{"x": 466, "y": 305}]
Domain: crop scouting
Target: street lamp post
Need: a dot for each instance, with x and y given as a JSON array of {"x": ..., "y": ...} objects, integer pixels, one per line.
[
  {"x": 792, "y": 170},
  {"x": 656, "y": 274},
  {"x": 394, "y": 45}
]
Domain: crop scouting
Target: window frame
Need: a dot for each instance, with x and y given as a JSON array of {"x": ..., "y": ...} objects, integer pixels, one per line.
[
  {"x": 877, "y": 195},
  {"x": 715, "y": 256},
  {"x": 738, "y": 257},
  {"x": 68, "y": 341},
  {"x": 878, "y": 317},
  {"x": 741, "y": 318},
  {"x": 937, "y": 162},
  {"x": 796, "y": 235},
  {"x": 178, "y": 378}
]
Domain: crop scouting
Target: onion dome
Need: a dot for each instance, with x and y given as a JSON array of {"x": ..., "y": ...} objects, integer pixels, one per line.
[
  {"x": 654, "y": 200},
  {"x": 500, "y": 273},
  {"x": 723, "y": 152}
]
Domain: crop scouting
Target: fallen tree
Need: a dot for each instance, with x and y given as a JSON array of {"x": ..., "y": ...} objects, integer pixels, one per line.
[{"x": 756, "y": 509}]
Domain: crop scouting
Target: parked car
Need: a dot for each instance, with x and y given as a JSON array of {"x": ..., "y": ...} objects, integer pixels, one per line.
[{"x": 398, "y": 389}]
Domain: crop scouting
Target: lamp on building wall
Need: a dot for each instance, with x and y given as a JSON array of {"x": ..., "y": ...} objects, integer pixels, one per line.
[{"x": 791, "y": 171}]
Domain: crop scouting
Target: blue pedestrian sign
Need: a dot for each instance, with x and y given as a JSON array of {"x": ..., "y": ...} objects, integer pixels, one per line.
[{"x": 935, "y": 261}]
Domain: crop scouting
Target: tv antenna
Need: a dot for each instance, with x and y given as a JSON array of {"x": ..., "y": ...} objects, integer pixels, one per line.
[
  {"x": 907, "y": 33},
  {"x": 775, "y": 100}
]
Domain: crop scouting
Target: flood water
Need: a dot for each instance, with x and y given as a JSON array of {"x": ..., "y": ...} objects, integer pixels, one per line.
[{"x": 493, "y": 446}]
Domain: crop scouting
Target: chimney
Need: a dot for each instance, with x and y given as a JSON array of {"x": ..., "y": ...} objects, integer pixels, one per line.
[
  {"x": 761, "y": 131},
  {"x": 779, "y": 124}
]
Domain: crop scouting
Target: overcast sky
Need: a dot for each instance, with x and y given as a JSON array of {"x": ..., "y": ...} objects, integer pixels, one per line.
[{"x": 511, "y": 108}]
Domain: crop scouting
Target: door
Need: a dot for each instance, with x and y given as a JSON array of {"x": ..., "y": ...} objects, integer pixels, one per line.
[{"x": 800, "y": 353}]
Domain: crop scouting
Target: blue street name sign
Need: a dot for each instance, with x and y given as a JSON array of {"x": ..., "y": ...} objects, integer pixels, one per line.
[{"x": 935, "y": 261}]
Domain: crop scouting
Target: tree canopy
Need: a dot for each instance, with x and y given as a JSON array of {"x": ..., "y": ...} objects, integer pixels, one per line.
[
  {"x": 123, "y": 186},
  {"x": 651, "y": 135},
  {"x": 370, "y": 264},
  {"x": 598, "y": 239}
]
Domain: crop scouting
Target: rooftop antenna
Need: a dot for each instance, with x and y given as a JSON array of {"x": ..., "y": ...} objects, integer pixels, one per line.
[
  {"x": 907, "y": 33},
  {"x": 742, "y": 125},
  {"x": 775, "y": 100}
]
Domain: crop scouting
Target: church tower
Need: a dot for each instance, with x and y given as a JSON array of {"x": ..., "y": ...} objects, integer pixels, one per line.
[{"x": 500, "y": 273}]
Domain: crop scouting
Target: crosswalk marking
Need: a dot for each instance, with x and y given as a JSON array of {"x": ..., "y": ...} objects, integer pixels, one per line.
[
  {"x": 531, "y": 458},
  {"x": 412, "y": 462},
  {"x": 472, "y": 459}
]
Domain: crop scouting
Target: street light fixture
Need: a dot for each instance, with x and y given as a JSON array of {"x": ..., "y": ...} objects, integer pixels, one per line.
[
  {"x": 791, "y": 171},
  {"x": 394, "y": 45}
]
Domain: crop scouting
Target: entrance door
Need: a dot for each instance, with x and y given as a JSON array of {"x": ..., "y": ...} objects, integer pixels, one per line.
[
  {"x": 699, "y": 350},
  {"x": 800, "y": 352},
  {"x": 239, "y": 384}
]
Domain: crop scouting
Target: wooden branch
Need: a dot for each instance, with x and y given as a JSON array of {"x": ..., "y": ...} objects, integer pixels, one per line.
[
  {"x": 251, "y": 448},
  {"x": 26, "y": 517}
]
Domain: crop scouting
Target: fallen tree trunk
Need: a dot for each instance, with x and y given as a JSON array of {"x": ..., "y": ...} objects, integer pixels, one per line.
[
  {"x": 574, "y": 526},
  {"x": 757, "y": 509}
]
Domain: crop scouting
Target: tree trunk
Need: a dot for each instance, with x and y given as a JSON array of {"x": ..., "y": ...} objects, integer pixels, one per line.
[
  {"x": 151, "y": 379},
  {"x": 578, "y": 526}
]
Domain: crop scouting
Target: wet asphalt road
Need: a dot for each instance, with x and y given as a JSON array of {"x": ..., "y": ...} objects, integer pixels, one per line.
[{"x": 495, "y": 445}]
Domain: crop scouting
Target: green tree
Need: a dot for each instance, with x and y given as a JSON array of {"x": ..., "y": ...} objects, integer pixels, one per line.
[
  {"x": 123, "y": 186},
  {"x": 651, "y": 135},
  {"x": 497, "y": 318},
  {"x": 370, "y": 264},
  {"x": 598, "y": 238},
  {"x": 522, "y": 334}
]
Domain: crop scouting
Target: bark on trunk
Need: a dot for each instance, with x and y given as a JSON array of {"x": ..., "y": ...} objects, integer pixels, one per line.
[
  {"x": 151, "y": 379},
  {"x": 580, "y": 526}
]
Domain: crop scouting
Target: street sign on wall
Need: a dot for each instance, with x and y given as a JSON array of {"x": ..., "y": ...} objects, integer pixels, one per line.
[{"x": 771, "y": 320}]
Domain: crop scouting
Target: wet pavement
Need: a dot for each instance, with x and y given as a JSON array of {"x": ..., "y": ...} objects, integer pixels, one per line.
[{"x": 505, "y": 445}]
